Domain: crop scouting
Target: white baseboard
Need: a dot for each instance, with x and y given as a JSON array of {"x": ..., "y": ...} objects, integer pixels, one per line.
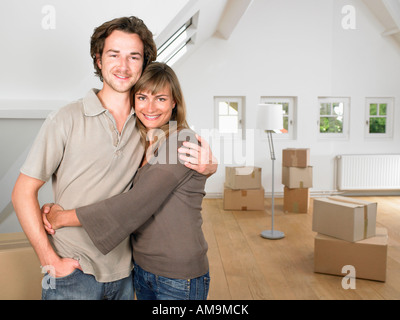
[{"x": 320, "y": 193}]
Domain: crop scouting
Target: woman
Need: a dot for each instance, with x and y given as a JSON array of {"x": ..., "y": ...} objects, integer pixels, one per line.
[{"x": 162, "y": 211}]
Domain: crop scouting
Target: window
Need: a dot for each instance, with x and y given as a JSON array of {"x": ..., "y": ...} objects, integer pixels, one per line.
[
  {"x": 289, "y": 114},
  {"x": 177, "y": 45},
  {"x": 229, "y": 114},
  {"x": 333, "y": 117},
  {"x": 379, "y": 117}
]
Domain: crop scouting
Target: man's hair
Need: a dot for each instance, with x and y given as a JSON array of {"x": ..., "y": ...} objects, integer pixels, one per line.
[{"x": 126, "y": 24}]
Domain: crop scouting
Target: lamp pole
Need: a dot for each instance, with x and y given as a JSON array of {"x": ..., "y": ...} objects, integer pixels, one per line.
[{"x": 272, "y": 234}]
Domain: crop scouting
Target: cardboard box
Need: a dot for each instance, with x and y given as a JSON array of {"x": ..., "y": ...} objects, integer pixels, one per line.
[
  {"x": 294, "y": 177},
  {"x": 296, "y": 200},
  {"x": 344, "y": 218},
  {"x": 368, "y": 256},
  {"x": 292, "y": 157},
  {"x": 20, "y": 272},
  {"x": 238, "y": 200},
  {"x": 243, "y": 178}
]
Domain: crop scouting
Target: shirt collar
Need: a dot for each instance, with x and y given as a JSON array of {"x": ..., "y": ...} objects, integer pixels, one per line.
[{"x": 92, "y": 105}]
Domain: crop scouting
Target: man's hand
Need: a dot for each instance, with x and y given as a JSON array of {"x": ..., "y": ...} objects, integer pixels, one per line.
[
  {"x": 63, "y": 267},
  {"x": 201, "y": 158}
]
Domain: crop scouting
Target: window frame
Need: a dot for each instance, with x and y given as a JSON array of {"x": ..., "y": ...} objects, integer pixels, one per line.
[
  {"x": 344, "y": 135},
  {"x": 292, "y": 115},
  {"x": 389, "y": 101},
  {"x": 178, "y": 44},
  {"x": 240, "y": 100}
]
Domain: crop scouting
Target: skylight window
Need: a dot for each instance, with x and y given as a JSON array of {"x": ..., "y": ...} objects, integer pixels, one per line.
[{"x": 177, "y": 45}]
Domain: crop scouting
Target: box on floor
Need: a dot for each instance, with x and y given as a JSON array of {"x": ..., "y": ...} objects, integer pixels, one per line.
[
  {"x": 296, "y": 200},
  {"x": 344, "y": 218},
  {"x": 368, "y": 256},
  {"x": 20, "y": 272},
  {"x": 250, "y": 199}
]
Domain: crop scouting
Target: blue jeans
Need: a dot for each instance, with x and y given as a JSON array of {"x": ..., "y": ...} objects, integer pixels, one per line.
[
  {"x": 149, "y": 286},
  {"x": 81, "y": 286}
]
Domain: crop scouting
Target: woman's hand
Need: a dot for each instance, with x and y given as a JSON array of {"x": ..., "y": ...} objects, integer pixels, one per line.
[
  {"x": 55, "y": 217},
  {"x": 51, "y": 215},
  {"x": 198, "y": 158}
]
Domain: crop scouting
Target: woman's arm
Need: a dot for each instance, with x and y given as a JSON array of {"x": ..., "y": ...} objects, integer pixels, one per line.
[
  {"x": 196, "y": 157},
  {"x": 103, "y": 215},
  {"x": 109, "y": 222}
]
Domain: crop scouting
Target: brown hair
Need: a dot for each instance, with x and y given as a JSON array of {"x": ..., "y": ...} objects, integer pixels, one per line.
[
  {"x": 154, "y": 78},
  {"x": 126, "y": 24}
]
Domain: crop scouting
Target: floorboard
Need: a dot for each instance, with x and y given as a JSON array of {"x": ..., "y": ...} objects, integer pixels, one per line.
[{"x": 245, "y": 266}]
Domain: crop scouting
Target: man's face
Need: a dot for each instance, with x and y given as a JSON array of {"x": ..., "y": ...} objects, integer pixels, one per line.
[{"x": 122, "y": 60}]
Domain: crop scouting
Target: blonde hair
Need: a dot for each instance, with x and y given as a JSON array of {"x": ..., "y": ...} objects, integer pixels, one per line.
[{"x": 155, "y": 78}]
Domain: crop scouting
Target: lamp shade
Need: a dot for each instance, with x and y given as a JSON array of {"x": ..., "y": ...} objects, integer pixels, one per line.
[{"x": 270, "y": 117}]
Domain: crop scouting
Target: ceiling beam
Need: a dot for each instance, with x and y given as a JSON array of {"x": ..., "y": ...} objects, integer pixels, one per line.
[
  {"x": 390, "y": 32},
  {"x": 231, "y": 16},
  {"x": 393, "y": 7}
]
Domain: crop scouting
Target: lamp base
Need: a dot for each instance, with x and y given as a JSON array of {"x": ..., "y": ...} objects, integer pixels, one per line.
[{"x": 272, "y": 234}]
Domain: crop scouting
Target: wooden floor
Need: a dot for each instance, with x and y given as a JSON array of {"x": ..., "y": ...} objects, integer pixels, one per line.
[{"x": 245, "y": 266}]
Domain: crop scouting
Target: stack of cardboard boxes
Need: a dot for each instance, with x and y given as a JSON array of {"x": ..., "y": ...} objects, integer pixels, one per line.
[
  {"x": 243, "y": 189},
  {"x": 347, "y": 236},
  {"x": 20, "y": 272},
  {"x": 297, "y": 179}
]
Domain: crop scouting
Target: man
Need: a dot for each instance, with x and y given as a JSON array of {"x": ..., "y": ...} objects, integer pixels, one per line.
[{"x": 91, "y": 149}]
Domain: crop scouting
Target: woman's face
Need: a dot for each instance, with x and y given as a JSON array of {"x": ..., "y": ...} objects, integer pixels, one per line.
[{"x": 154, "y": 110}]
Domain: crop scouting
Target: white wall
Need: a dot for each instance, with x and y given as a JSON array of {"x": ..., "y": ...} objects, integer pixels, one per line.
[{"x": 296, "y": 48}]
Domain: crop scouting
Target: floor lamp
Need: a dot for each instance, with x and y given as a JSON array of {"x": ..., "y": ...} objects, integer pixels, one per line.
[{"x": 270, "y": 120}]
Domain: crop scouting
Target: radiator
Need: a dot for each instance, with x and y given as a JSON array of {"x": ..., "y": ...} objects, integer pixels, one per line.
[{"x": 368, "y": 172}]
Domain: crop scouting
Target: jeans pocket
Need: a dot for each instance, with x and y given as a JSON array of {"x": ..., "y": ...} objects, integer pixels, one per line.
[
  {"x": 68, "y": 276},
  {"x": 60, "y": 288},
  {"x": 171, "y": 289}
]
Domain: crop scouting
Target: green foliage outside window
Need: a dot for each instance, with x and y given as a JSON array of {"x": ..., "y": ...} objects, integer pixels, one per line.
[
  {"x": 331, "y": 118},
  {"x": 330, "y": 125},
  {"x": 377, "y": 120}
]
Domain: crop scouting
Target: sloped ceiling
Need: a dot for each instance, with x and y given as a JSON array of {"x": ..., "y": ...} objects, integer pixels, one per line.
[
  {"x": 388, "y": 14},
  {"x": 216, "y": 18}
]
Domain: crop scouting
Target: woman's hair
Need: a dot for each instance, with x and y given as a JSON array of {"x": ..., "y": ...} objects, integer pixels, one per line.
[
  {"x": 154, "y": 79},
  {"x": 128, "y": 25}
]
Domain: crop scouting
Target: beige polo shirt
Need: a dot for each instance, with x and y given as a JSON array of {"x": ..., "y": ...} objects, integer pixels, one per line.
[{"x": 88, "y": 160}]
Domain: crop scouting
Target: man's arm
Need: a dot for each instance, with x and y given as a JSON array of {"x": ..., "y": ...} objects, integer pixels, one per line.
[
  {"x": 25, "y": 200},
  {"x": 201, "y": 158}
]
